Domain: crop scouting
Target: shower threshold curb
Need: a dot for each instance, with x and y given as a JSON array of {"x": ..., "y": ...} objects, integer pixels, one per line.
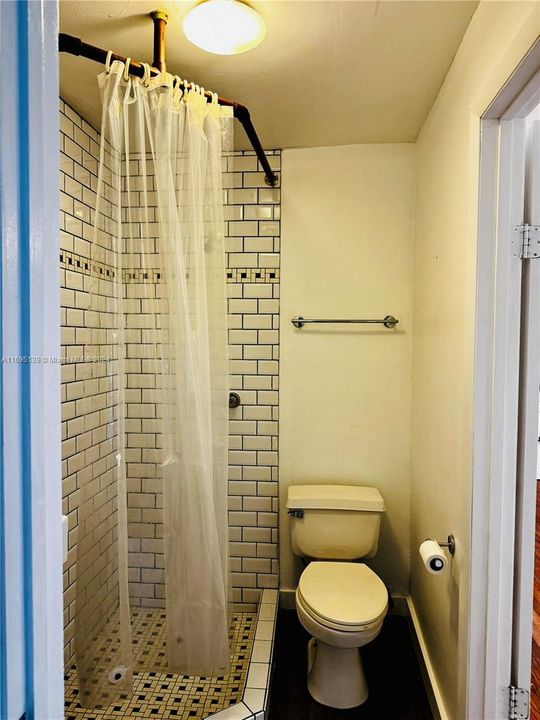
[{"x": 256, "y": 696}]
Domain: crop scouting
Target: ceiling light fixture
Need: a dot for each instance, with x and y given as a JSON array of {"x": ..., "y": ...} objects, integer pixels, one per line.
[{"x": 224, "y": 27}]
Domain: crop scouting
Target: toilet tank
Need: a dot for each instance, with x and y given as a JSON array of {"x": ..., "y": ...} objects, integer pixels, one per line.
[{"x": 334, "y": 522}]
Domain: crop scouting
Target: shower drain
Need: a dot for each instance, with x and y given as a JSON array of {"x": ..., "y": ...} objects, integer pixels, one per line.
[{"x": 117, "y": 674}]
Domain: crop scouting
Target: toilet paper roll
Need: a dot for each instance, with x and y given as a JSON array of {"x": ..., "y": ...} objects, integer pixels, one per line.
[{"x": 433, "y": 557}]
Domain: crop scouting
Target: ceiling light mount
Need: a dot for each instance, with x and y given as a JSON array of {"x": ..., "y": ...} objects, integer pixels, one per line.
[
  {"x": 224, "y": 27},
  {"x": 160, "y": 18}
]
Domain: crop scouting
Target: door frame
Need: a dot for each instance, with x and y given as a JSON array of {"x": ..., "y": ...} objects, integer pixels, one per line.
[
  {"x": 496, "y": 395},
  {"x": 528, "y": 446}
]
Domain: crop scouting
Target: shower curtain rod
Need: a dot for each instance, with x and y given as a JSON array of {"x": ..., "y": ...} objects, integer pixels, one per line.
[{"x": 75, "y": 46}]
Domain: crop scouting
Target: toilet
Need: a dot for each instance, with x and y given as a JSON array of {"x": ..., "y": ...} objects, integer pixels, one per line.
[{"x": 341, "y": 602}]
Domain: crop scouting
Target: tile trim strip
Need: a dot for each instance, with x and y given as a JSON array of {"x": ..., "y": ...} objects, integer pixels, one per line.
[{"x": 255, "y": 704}]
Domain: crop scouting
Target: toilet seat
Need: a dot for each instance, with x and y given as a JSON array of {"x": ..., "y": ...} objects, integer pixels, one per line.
[{"x": 343, "y": 596}]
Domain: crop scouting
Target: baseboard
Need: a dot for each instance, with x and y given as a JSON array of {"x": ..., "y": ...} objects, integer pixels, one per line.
[
  {"x": 399, "y": 605},
  {"x": 426, "y": 667}
]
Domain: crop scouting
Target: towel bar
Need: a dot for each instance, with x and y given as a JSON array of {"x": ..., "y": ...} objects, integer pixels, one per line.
[{"x": 389, "y": 321}]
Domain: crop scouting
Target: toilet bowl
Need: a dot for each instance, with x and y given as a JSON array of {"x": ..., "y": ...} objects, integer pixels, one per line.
[
  {"x": 343, "y": 606},
  {"x": 341, "y": 602}
]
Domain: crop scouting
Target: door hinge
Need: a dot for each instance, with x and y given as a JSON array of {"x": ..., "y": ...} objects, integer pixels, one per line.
[
  {"x": 518, "y": 703},
  {"x": 526, "y": 243}
]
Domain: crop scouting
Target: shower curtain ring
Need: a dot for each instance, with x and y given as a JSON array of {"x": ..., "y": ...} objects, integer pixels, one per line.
[
  {"x": 178, "y": 93},
  {"x": 146, "y": 76},
  {"x": 126, "y": 69},
  {"x": 108, "y": 62}
]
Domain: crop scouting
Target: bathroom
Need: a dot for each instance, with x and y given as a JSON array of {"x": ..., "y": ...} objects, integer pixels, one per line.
[{"x": 293, "y": 395}]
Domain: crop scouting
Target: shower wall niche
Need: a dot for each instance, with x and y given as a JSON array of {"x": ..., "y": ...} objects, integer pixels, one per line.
[{"x": 252, "y": 215}]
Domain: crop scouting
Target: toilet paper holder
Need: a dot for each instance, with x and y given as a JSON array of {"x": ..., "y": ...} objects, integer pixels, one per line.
[{"x": 450, "y": 544}]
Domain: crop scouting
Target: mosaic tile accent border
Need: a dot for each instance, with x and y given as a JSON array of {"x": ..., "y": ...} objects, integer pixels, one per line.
[
  {"x": 140, "y": 275},
  {"x": 253, "y": 275},
  {"x": 79, "y": 263}
]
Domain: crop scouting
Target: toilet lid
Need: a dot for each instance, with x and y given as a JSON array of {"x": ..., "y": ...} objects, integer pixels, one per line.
[{"x": 344, "y": 593}]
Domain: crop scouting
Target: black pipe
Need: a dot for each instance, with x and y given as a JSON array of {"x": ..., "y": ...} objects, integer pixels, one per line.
[
  {"x": 242, "y": 114},
  {"x": 75, "y": 46}
]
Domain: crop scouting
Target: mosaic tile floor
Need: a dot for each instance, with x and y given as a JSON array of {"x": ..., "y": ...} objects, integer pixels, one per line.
[{"x": 167, "y": 695}]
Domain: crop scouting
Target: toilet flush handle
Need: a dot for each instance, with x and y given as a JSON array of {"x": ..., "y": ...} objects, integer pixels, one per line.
[{"x": 296, "y": 513}]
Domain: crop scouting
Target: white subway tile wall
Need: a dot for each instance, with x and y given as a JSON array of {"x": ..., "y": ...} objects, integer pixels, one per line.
[
  {"x": 88, "y": 403},
  {"x": 252, "y": 215}
]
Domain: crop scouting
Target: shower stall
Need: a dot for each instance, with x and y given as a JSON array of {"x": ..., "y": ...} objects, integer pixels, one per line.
[{"x": 173, "y": 534}]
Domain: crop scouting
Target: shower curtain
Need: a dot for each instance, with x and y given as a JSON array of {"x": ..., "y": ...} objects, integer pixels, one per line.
[{"x": 156, "y": 361}]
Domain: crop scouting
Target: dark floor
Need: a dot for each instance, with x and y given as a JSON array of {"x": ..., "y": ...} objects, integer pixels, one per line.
[{"x": 396, "y": 691}]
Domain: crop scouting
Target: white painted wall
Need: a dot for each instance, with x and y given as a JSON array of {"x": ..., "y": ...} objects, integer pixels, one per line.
[
  {"x": 347, "y": 251},
  {"x": 443, "y": 341}
]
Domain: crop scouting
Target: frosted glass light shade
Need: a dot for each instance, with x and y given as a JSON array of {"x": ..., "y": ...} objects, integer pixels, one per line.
[{"x": 224, "y": 27}]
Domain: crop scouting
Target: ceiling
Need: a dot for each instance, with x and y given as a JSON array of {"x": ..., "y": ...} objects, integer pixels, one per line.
[{"x": 330, "y": 72}]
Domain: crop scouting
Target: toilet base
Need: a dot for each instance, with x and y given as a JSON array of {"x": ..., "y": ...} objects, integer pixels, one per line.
[{"x": 336, "y": 675}]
